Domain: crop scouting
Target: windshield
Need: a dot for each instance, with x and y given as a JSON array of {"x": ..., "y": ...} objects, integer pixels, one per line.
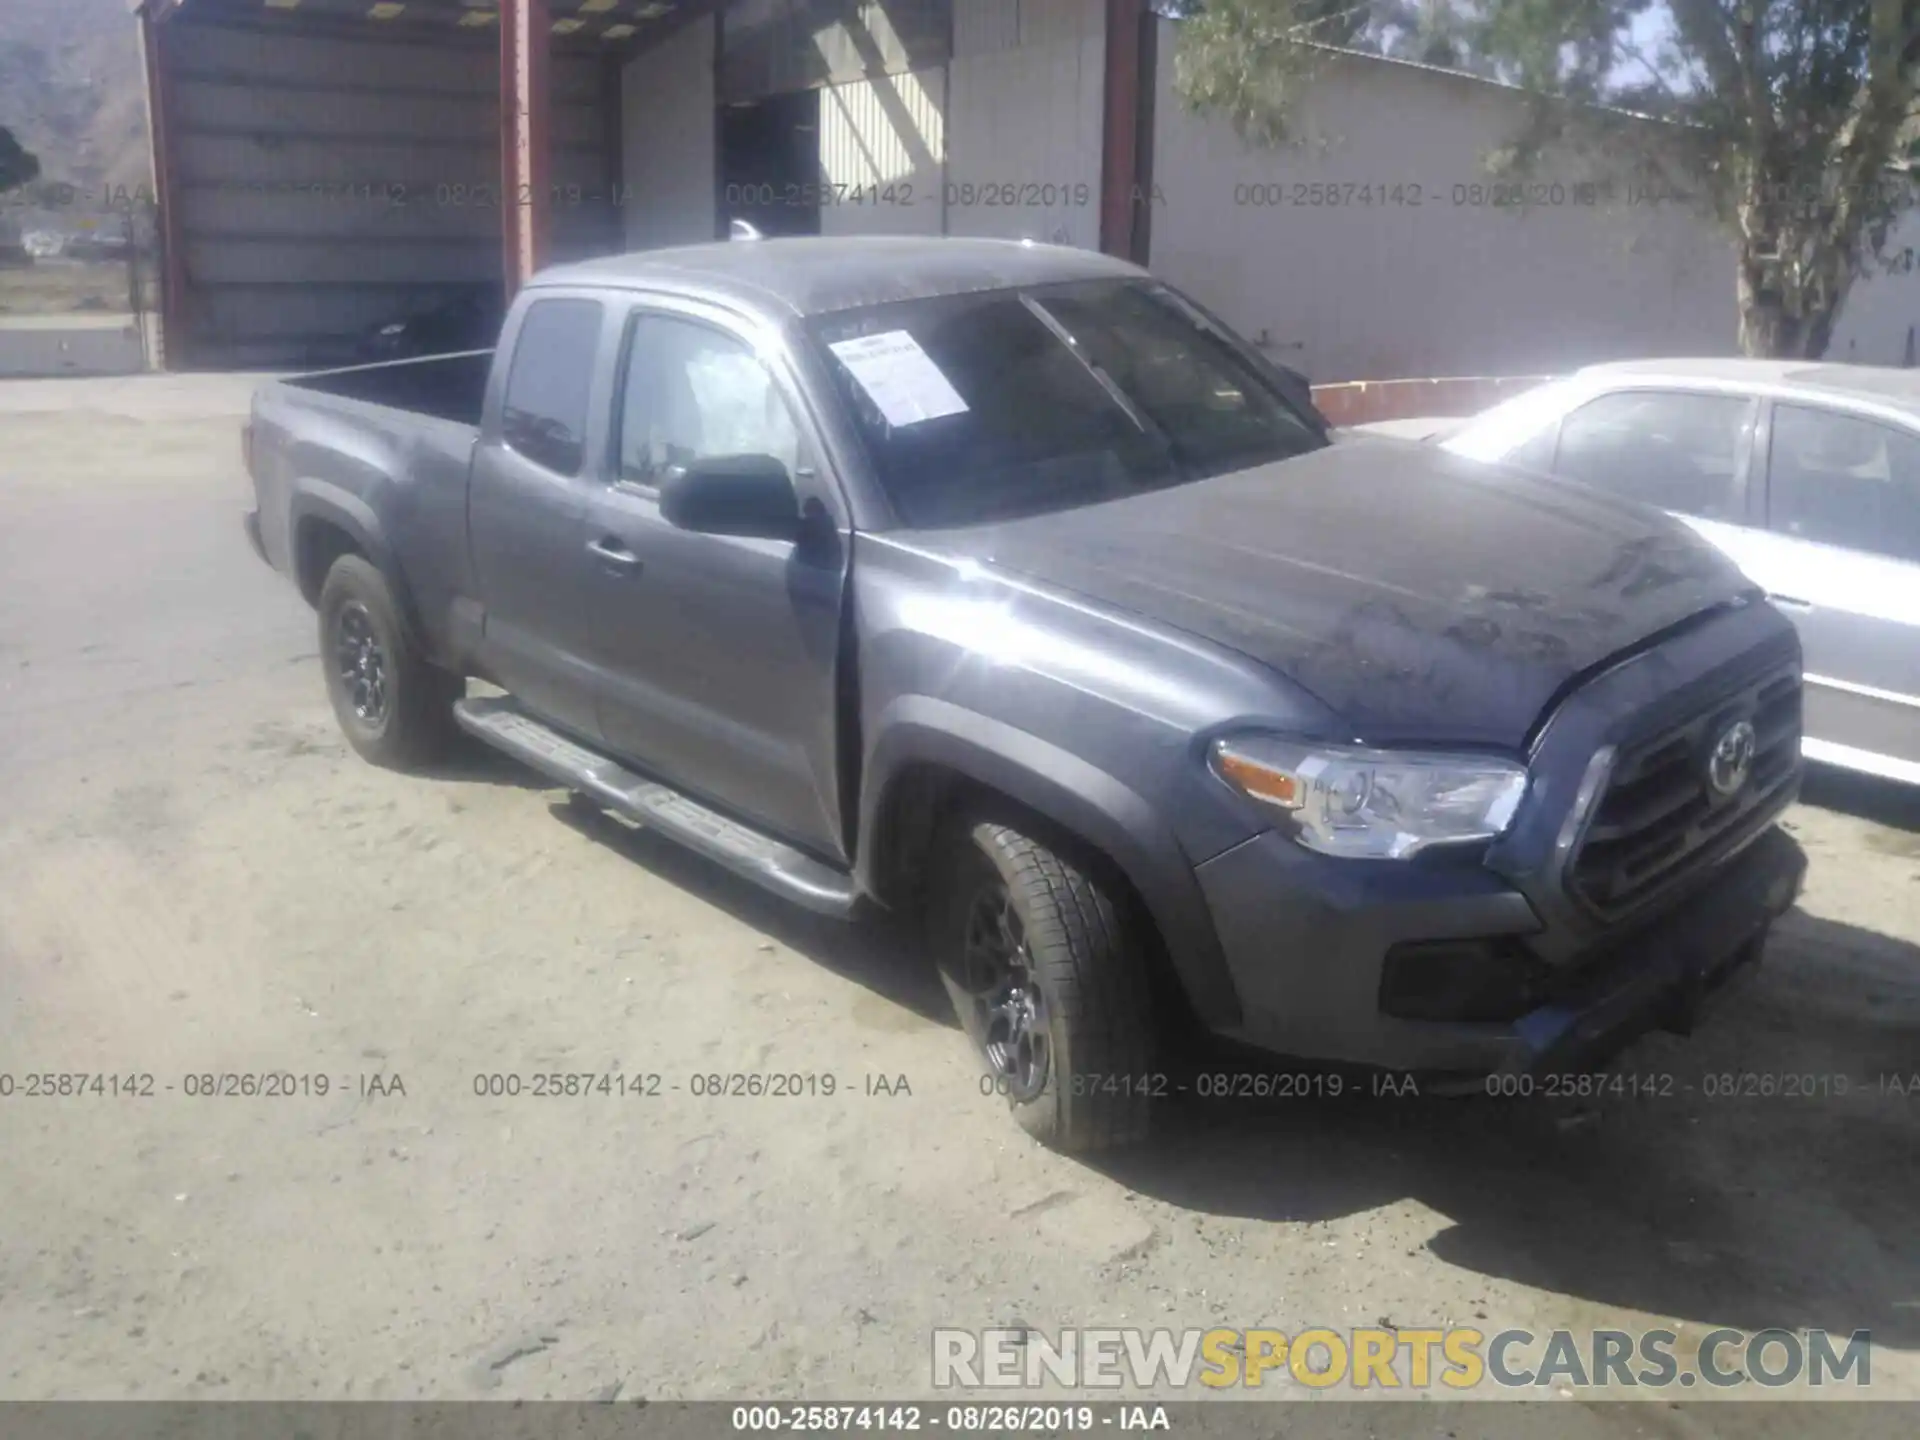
[{"x": 983, "y": 407}]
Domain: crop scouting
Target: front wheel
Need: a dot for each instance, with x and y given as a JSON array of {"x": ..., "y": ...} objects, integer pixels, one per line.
[
  {"x": 394, "y": 706},
  {"x": 1045, "y": 966}
]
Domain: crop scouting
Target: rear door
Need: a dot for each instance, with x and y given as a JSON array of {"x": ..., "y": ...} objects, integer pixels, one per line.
[
  {"x": 1841, "y": 555},
  {"x": 527, "y": 511},
  {"x": 717, "y": 656}
]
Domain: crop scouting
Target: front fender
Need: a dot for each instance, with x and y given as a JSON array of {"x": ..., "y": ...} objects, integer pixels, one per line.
[{"x": 1092, "y": 805}]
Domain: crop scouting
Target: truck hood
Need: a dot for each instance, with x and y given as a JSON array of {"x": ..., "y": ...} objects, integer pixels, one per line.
[{"x": 1419, "y": 595}]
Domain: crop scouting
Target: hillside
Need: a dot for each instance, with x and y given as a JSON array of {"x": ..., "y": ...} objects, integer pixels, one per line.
[{"x": 71, "y": 90}]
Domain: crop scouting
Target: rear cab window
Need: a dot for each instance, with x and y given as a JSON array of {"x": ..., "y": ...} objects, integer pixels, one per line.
[{"x": 544, "y": 414}]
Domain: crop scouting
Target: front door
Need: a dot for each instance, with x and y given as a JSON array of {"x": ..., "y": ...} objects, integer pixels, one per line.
[{"x": 717, "y": 655}]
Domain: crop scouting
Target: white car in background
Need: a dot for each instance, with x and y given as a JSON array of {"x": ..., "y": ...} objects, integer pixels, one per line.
[{"x": 1807, "y": 474}]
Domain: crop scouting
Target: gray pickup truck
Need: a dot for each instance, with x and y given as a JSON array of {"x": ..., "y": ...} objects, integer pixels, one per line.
[{"x": 1002, "y": 584}]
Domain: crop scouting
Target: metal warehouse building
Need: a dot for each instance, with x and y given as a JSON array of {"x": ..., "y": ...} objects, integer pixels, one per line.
[
  {"x": 323, "y": 165},
  {"x": 319, "y": 163}
]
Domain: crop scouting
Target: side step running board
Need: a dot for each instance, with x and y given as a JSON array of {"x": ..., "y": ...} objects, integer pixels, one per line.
[{"x": 759, "y": 858}]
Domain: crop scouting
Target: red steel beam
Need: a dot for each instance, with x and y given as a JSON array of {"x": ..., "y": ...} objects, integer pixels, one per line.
[
  {"x": 1120, "y": 158},
  {"x": 526, "y": 191},
  {"x": 155, "y": 41}
]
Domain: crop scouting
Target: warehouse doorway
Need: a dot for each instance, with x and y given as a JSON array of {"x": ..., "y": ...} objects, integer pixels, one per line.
[{"x": 770, "y": 163}]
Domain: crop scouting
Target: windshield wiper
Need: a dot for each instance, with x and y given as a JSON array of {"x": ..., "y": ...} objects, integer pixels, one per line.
[{"x": 1142, "y": 422}]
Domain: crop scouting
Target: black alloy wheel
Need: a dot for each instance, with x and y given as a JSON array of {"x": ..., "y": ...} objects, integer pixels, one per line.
[
  {"x": 362, "y": 663},
  {"x": 1010, "y": 1006}
]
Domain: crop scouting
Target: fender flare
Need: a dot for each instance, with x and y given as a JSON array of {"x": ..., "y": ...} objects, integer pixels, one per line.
[
  {"x": 331, "y": 504},
  {"x": 1093, "y": 806}
]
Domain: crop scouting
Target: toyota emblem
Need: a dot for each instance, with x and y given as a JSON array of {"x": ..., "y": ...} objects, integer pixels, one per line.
[{"x": 1732, "y": 759}]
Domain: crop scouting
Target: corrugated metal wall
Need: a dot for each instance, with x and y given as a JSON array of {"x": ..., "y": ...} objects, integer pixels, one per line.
[
  {"x": 883, "y": 153},
  {"x": 1003, "y": 140},
  {"x": 669, "y": 152},
  {"x": 326, "y": 182},
  {"x": 1024, "y": 120},
  {"x": 772, "y": 47}
]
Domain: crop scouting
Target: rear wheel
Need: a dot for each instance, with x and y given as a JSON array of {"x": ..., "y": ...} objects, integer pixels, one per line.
[
  {"x": 394, "y": 706},
  {"x": 1045, "y": 967}
]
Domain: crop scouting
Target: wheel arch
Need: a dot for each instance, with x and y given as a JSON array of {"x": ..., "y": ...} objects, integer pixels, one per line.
[
  {"x": 929, "y": 759},
  {"x": 328, "y": 522}
]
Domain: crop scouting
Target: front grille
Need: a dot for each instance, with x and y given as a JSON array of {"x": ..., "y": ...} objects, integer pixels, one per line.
[{"x": 1660, "y": 821}]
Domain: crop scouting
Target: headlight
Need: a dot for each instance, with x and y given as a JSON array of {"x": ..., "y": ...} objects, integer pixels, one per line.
[{"x": 1375, "y": 804}]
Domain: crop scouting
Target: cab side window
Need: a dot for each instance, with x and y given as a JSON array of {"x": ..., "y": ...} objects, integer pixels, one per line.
[
  {"x": 1667, "y": 448},
  {"x": 1844, "y": 480},
  {"x": 693, "y": 392},
  {"x": 545, "y": 413}
]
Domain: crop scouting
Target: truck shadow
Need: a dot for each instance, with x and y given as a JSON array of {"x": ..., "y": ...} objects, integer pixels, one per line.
[
  {"x": 878, "y": 951},
  {"x": 1867, "y": 798},
  {"x": 1766, "y": 1176},
  {"x": 1702, "y": 1200}
]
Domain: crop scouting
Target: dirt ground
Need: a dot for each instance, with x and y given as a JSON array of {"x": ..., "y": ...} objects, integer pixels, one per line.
[{"x": 197, "y": 877}]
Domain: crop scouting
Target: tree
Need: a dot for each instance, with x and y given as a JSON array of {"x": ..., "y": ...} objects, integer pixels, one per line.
[
  {"x": 1788, "y": 122},
  {"x": 18, "y": 166}
]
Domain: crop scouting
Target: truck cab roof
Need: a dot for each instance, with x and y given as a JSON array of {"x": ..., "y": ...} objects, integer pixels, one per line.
[{"x": 816, "y": 275}]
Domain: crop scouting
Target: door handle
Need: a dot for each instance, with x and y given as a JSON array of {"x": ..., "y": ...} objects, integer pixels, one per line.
[
  {"x": 610, "y": 551},
  {"x": 1790, "y": 602}
]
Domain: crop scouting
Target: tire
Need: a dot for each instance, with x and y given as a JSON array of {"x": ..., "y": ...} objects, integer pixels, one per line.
[
  {"x": 1085, "y": 987},
  {"x": 411, "y": 725}
]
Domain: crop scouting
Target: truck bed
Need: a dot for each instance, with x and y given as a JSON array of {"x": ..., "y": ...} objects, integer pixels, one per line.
[{"x": 447, "y": 387}]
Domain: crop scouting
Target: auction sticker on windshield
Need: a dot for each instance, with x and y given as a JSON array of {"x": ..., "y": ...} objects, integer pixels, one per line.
[{"x": 900, "y": 376}]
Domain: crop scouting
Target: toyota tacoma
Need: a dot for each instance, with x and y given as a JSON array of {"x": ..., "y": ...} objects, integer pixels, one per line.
[{"x": 1003, "y": 585}]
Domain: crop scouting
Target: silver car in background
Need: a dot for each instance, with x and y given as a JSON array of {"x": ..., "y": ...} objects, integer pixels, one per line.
[{"x": 1807, "y": 475}]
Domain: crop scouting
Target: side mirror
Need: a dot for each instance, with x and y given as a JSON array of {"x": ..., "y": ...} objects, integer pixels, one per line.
[{"x": 750, "y": 495}]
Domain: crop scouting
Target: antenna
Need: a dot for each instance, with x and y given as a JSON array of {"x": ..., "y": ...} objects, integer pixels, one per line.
[{"x": 741, "y": 230}]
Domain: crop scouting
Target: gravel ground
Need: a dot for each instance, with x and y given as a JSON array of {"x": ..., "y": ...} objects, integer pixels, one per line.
[{"x": 197, "y": 877}]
